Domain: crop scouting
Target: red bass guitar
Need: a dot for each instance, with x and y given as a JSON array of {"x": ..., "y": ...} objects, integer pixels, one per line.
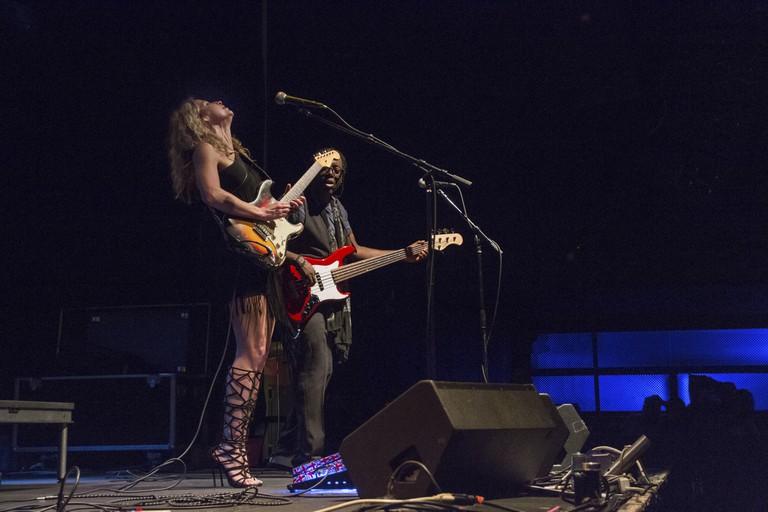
[{"x": 301, "y": 301}]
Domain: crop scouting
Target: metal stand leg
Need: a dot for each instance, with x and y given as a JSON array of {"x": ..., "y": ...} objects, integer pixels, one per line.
[{"x": 63, "y": 452}]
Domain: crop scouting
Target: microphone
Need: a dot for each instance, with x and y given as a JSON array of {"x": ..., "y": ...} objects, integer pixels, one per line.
[
  {"x": 281, "y": 99},
  {"x": 438, "y": 184}
]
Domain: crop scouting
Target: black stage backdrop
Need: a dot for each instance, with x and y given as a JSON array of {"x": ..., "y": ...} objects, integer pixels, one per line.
[{"x": 617, "y": 150}]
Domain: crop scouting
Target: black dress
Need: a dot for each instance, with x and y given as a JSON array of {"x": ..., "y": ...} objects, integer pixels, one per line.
[{"x": 243, "y": 180}]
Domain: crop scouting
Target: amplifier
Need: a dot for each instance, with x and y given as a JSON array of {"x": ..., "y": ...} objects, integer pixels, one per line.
[
  {"x": 160, "y": 338},
  {"x": 112, "y": 412}
]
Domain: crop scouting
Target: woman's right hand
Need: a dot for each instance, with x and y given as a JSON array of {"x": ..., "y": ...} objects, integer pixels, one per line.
[{"x": 272, "y": 211}]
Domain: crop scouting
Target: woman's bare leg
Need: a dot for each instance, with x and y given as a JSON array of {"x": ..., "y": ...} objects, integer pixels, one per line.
[{"x": 252, "y": 325}]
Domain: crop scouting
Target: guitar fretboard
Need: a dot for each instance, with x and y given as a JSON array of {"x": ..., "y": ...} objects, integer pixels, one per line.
[
  {"x": 298, "y": 188},
  {"x": 361, "y": 267}
]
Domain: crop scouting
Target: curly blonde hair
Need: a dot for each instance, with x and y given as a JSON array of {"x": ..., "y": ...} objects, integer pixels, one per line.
[{"x": 186, "y": 130}]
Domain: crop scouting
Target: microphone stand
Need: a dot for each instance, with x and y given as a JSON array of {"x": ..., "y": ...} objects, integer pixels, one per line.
[
  {"x": 478, "y": 234},
  {"x": 430, "y": 171}
]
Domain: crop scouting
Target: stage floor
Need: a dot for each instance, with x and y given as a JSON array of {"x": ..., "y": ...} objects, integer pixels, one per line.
[{"x": 20, "y": 491}]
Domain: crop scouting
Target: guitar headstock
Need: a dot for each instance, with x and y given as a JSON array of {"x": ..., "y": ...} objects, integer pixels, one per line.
[
  {"x": 443, "y": 240},
  {"x": 326, "y": 158}
]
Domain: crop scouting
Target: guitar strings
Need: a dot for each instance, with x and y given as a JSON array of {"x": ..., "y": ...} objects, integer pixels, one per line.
[
  {"x": 359, "y": 267},
  {"x": 353, "y": 269}
]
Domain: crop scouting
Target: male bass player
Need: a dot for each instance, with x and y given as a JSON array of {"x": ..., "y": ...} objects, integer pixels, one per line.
[{"x": 326, "y": 335}]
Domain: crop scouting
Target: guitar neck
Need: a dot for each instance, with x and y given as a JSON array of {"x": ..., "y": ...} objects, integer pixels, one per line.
[
  {"x": 361, "y": 267},
  {"x": 298, "y": 188}
]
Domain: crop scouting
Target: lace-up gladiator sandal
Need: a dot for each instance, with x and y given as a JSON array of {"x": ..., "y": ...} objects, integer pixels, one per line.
[{"x": 239, "y": 403}]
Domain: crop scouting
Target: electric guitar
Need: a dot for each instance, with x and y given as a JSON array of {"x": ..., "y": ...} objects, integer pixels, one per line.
[
  {"x": 301, "y": 301},
  {"x": 265, "y": 240}
]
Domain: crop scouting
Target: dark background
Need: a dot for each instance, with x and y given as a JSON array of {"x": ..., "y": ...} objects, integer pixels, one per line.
[{"x": 616, "y": 149}]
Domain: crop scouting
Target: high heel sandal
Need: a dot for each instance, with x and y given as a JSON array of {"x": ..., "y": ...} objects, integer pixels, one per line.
[
  {"x": 233, "y": 465},
  {"x": 239, "y": 404}
]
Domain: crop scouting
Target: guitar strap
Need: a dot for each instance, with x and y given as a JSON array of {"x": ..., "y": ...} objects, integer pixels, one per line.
[
  {"x": 256, "y": 166},
  {"x": 338, "y": 321},
  {"x": 339, "y": 238}
]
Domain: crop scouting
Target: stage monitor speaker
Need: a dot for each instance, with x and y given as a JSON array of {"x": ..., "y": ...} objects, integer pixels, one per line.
[{"x": 485, "y": 439}]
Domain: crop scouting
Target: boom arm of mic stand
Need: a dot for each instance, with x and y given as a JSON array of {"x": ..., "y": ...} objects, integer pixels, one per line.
[
  {"x": 474, "y": 227},
  {"x": 372, "y": 139}
]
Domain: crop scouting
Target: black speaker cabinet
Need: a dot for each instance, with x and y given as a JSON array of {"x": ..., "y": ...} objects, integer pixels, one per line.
[
  {"x": 160, "y": 338},
  {"x": 112, "y": 412},
  {"x": 485, "y": 439}
]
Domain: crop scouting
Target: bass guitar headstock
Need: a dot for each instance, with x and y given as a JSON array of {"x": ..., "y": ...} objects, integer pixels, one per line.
[{"x": 446, "y": 239}]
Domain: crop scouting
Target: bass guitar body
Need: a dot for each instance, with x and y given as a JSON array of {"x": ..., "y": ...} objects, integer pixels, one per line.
[{"x": 301, "y": 301}]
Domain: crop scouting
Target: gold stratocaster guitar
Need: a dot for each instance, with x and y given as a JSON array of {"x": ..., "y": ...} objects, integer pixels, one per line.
[{"x": 265, "y": 241}]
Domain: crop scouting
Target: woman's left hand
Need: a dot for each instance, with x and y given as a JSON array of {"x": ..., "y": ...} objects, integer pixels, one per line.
[{"x": 296, "y": 203}]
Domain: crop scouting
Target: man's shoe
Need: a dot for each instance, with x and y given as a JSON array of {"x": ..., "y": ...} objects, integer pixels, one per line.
[{"x": 282, "y": 462}]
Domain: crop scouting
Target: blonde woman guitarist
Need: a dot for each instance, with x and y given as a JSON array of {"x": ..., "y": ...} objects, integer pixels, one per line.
[{"x": 209, "y": 164}]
